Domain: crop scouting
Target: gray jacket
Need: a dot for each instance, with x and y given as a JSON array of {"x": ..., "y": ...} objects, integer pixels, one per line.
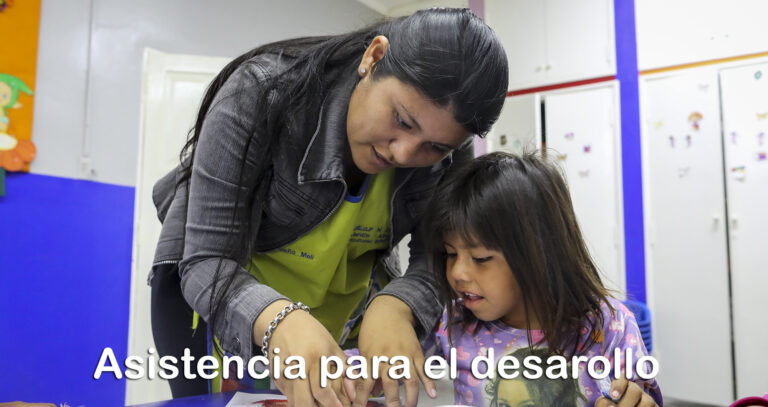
[{"x": 305, "y": 185}]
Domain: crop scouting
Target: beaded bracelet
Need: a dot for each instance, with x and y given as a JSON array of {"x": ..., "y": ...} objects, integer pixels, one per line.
[{"x": 272, "y": 325}]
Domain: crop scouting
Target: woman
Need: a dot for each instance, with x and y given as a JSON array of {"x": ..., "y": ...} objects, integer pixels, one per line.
[{"x": 310, "y": 160}]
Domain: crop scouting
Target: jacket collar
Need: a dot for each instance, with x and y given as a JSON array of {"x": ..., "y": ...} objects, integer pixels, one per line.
[{"x": 324, "y": 157}]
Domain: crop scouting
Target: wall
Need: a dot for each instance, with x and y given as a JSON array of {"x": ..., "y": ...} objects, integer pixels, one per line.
[{"x": 65, "y": 240}]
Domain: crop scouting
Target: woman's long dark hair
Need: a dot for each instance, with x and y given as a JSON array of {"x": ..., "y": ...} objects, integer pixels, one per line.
[
  {"x": 449, "y": 55},
  {"x": 520, "y": 206}
]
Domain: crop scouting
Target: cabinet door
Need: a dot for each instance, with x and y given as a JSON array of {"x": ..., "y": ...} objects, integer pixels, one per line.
[
  {"x": 579, "y": 40},
  {"x": 580, "y": 130},
  {"x": 745, "y": 123},
  {"x": 686, "y": 239},
  {"x": 520, "y": 27},
  {"x": 519, "y": 126}
]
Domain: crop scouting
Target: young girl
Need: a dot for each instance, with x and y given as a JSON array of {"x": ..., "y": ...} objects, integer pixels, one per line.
[{"x": 516, "y": 275}]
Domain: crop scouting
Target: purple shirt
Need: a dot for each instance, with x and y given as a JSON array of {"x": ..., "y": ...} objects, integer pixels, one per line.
[{"x": 620, "y": 331}]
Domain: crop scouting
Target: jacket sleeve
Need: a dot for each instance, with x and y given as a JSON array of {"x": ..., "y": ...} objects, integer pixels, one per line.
[
  {"x": 213, "y": 191},
  {"x": 417, "y": 286}
]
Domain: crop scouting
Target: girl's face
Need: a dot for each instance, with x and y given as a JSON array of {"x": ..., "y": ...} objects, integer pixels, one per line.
[
  {"x": 391, "y": 124},
  {"x": 482, "y": 278}
]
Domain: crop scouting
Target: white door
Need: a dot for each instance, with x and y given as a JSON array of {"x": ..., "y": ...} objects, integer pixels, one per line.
[
  {"x": 744, "y": 93},
  {"x": 172, "y": 87},
  {"x": 581, "y": 130},
  {"x": 519, "y": 126},
  {"x": 686, "y": 255}
]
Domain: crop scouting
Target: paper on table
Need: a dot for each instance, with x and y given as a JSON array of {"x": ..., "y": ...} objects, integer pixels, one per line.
[{"x": 241, "y": 399}]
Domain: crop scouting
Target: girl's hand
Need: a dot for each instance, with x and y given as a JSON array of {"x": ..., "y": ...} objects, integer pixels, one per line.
[
  {"x": 628, "y": 394},
  {"x": 300, "y": 334},
  {"x": 387, "y": 330}
]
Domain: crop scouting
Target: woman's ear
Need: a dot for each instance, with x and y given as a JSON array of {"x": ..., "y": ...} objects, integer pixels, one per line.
[{"x": 373, "y": 54}]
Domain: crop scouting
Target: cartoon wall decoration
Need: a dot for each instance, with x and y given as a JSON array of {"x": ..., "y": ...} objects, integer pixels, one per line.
[{"x": 19, "y": 22}]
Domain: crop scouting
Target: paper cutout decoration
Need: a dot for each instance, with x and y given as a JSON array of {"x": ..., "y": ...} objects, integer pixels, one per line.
[
  {"x": 703, "y": 87},
  {"x": 761, "y": 156},
  {"x": 569, "y": 136},
  {"x": 584, "y": 173},
  {"x": 758, "y": 74},
  {"x": 762, "y": 116},
  {"x": 740, "y": 172},
  {"x": 562, "y": 157},
  {"x": 517, "y": 144},
  {"x": 672, "y": 141},
  {"x": 659, "y": 124},
  {"x": 15, "y": 154},
  {"x": 734, "y": 135},
  {"x": 683, "y": 172},
  {"x": 503, "y": 140},
  {"x": 760, "y": 138},
  {"x": 695, "y": 118},
  {"x": 5, "y": 4},
  {"x": 688, "y": 140},
  {"x": 588, "y": 148}
]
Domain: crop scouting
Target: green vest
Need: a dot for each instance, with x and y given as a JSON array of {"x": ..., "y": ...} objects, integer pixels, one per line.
[{"x": 329, "y": 268}]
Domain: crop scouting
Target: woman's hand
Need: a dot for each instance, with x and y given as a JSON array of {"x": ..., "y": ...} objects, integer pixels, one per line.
[
  {"x": 628, "y": 394},
  {"x": 300, "y": 334},
  {"x": 387, "y": 330}
]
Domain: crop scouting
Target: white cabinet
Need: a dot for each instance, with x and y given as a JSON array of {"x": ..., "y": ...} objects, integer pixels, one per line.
[
  {"x": 581, "y": 130},
  {"x": 686, "y": 256},
  {"x": 554, "y": 41},
  {"x": 685, "y": 31},
  {"x": 744, "y": 93}
]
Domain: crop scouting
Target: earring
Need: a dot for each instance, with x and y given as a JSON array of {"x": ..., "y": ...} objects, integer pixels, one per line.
[{"x": 363, "y": 71}]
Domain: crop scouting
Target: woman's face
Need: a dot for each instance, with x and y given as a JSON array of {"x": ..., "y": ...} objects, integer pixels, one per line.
[{"x": 392, "y": 124}]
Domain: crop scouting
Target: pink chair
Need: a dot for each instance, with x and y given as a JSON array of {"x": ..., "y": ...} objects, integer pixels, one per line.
[{"x": 751, "y": 401}]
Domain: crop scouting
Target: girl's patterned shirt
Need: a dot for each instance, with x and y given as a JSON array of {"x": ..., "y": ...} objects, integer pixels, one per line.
[{"x": 476, "y": 339}]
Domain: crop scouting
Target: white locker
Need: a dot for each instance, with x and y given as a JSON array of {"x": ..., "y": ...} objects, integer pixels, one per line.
[
  {"x": 519, "y": 126},
  {"x": 582, "y": 131},
  {"x": 744, "y": 93},
  {"x": 686, "y": 256}
]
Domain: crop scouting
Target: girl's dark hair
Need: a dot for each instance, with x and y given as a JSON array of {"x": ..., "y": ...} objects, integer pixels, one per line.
[
  {"x": 520, "y": 206},
  {"x": 449, "y": 55}
]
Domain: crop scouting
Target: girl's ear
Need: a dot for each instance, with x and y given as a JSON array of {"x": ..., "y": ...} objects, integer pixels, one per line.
[{"x": 373, "y": 54}]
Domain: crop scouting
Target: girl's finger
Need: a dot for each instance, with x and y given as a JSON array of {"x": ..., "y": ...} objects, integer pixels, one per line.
[
  {"x": 632, "y": 396},
  {"x": 618, "y": 387},
  {"x": 647, "y": 401},
  {"x": 349, "y": 389}
]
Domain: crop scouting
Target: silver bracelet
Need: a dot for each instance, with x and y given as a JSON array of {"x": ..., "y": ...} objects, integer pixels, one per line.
[{"x": 272, "y": 325}]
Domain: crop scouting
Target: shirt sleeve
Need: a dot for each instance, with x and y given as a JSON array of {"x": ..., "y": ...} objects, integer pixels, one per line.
[
  {"x": 229, "y": 134},
  {"x": 623, "y": 333},
  {"x": 417, "y": 287}
]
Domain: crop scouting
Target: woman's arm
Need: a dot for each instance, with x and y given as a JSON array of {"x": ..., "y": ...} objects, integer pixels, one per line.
[{"x": 229, "y": 133}]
